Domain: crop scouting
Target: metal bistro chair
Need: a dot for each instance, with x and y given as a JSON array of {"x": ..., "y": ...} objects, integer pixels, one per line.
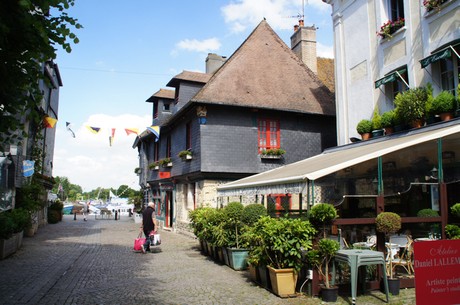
[{"x": 405, "y": 259}]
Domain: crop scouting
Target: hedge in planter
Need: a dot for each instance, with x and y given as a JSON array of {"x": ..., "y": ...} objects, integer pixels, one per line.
[{"x": 411, "y": 104}]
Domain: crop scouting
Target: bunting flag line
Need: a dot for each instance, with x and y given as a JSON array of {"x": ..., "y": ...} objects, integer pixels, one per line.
[
  {"x": 49, "y": 122},
  {"x": 67, "y": 125},
  {"x": 155, "y": 130},
  {"x": 132, "y": 130},
  {"x": 94, "y": 130},
  {"x": 28, "y": 167}
]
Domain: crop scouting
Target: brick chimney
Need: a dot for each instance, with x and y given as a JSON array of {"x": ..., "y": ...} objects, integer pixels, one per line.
[
  {"x": 303, "y": 44},
  {"x": 214, "y": 62}
]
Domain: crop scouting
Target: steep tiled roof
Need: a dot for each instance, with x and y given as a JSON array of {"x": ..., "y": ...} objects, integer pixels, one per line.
[
  {"x": 197, "y": 77},
  {"x": 162, "y": 93},
  {"x": 264, "y": 73}
]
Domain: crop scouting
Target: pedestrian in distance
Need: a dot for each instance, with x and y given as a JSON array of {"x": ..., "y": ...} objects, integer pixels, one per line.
[
  {"x": 85, "y": 210},
  {"x": 148, "y": 225}
]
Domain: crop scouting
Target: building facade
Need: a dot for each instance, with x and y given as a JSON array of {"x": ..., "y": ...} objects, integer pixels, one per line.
[
  {"x": 422, "y": 46},
  {"x": 223, "y": 125}
]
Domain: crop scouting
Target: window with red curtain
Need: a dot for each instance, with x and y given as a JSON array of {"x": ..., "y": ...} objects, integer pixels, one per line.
[
  {"x": 268, "y": 134},
  {"x": 155, "y": 110}
]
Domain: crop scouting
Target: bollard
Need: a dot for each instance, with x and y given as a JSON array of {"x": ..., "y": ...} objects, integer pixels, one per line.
[
  {"x": 74, "y": 215},
  {"x": 116, "y": 215}
]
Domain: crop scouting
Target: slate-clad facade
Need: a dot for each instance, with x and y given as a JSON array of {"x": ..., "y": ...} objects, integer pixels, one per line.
[{"x": 218, "y": 118}]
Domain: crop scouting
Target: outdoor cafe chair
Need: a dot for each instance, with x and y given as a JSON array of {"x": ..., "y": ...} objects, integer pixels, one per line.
[{"x": 405, "y": 258}]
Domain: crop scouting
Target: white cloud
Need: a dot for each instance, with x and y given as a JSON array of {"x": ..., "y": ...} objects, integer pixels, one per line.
[
  {"x": 89, "y": 161},
  {"x": 324, "y": 51},
  {"x": 194, "y": 45},
  {"x": 243, "y": 14}
]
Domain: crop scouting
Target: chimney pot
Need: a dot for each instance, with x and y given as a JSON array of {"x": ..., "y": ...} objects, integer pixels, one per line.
[
  {"x": 300, "y": 22},
  {"x": 296, "y": 27}
]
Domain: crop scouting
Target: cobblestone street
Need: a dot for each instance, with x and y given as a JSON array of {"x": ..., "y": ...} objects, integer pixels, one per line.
[{"x": 77, "y": 262}]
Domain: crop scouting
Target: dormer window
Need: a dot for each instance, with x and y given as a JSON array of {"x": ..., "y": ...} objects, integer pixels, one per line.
[{"x": 166, "y": 107}]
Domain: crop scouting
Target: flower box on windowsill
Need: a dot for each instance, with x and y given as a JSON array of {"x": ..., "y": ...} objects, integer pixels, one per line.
[
  {"x": 272, "y": 153},
  {"x": 187, "y": 157},
  {"x": 273, "y": 157},
  {"x": 169, "y": 164}
]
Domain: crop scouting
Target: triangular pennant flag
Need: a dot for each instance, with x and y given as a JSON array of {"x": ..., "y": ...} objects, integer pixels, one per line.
[
  {"x": 131, "y": 130},
  {"x": 49, "y": 122},
  {"x": 93, "y": 129},
  {"x": 155, "y": 130},
  {"x": 67, "y": 125}
]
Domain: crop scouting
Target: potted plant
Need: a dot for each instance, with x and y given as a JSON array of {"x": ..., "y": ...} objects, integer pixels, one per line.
[
  {"x": 389, "y": 223},
  {"x": 321, "y": 258},
  {"x": 364, "y": 128},
  {"x": 433, "y": 227},
  {"x": 376, "y": 124},
  {"x": 411, "y": 106},
  {"x": 322, "y": 215},
  {"x": 387, "y": 121},
  {"x": 251, "y": 214},
  {"x": 185, "y": 154},
  {"x": 444, "y": 105},
  {"x": 236, "y": 248},
  {"x": 283, "y": 241}
]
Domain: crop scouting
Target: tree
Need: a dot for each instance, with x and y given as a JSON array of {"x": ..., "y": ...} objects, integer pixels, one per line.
[{"x": 29, "y": 32}]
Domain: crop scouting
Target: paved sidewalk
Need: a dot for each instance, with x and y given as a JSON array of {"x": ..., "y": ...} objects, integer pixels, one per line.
[{"x": 77, "y": 262}]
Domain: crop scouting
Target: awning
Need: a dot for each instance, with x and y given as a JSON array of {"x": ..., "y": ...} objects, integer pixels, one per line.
[
  {"x": 444, "y": 53},
  {"x": 391, "y": 78},
  {"x": 435, "y": 57},
  {"x": 330, "y": 161}
]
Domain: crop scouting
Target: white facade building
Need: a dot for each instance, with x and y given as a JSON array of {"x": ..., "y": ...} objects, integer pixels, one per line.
[{"x": 371, "y": 70}]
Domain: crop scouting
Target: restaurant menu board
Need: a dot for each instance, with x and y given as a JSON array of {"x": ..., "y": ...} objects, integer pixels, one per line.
[{"x": 437, "y": 272}]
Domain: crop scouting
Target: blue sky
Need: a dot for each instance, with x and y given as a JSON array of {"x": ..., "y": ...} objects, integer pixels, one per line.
[{"x": 130, "y": 49}]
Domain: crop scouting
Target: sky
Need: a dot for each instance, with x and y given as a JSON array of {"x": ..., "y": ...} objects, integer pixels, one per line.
[{"x": 128, "y": 50}]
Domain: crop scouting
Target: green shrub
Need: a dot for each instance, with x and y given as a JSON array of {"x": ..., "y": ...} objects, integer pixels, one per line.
[
  {"x": 57, "y": 206},
  {"x": 252, "y": 213},
  {"x": 376, "y": 120},
  {"x": 321, "y": 258},
  {"x": 388, "y": 119},
  {"x": 364, "y": 126},
  {"x": 427, "y": 213},
  {"x": 54, "y": 216},
  {"x": 452, "y": 231},
  {"x": 443, "y": 102},
  {"x": 388, "y": 223},
  {"x": 455, "y": 209},
  {"x": 411, "y": 104},
  {"x": 321, "y": 215},
  {"x": 21, "y": 219},
  {"x": 6, "y": 225},
  {"x": 281, "y": 241}
]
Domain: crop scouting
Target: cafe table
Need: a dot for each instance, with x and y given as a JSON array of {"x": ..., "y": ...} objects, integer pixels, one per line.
[{"x": 356, "y": 258}]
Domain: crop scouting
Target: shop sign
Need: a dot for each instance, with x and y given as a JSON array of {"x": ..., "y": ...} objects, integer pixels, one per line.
[{"x": 437, "y": 272}]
